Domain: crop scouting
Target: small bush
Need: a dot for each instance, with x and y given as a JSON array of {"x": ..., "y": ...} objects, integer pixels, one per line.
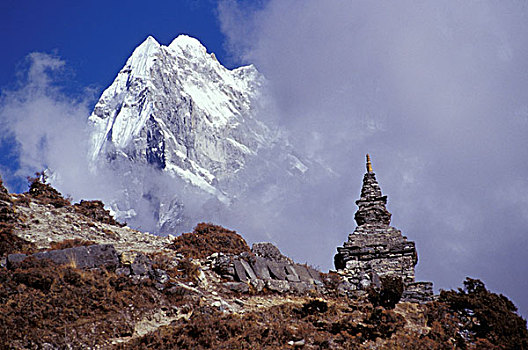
[
  {"x": 22, "y": 200},
  {"x": 95, "y": 210},
  {"x": 331, "y": 282},
  {"x": 444, "y": 325},
  {"x": 207, "y": 239},
  {"x": 11, "y": 243},
  {"x": 187, "y": 270},
  {"x": 44, "y": 193}
]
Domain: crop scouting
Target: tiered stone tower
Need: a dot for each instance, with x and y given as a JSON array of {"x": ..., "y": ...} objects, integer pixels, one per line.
[{"x": 376, "y": 249}]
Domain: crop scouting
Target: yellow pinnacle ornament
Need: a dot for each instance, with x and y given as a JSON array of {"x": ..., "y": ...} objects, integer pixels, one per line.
[{"x": 369, "y": 165}]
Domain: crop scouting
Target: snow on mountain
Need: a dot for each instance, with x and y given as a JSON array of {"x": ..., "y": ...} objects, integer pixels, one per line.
[{"x": 177, "y": 110}]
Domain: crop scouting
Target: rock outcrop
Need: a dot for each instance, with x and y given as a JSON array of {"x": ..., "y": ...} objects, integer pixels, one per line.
[
  {"x": 269, "y": 251},
  {"x": 376, "y": 249},
  {"x": 41, "y": 224},
  {"x": 9, "y": 241},
  {"x": 265, "y": 268},
  {"x": 82, "y": 257}
]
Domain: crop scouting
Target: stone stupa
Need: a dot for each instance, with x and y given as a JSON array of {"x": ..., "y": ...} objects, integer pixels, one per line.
[{"x": 375, "y": 249}]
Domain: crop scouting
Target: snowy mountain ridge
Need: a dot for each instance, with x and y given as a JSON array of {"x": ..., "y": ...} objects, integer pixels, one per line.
[{"x": 176, "y": 109}]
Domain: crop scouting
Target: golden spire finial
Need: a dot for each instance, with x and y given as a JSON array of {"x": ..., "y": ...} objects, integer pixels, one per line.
[{"x": 369, "y": 164}]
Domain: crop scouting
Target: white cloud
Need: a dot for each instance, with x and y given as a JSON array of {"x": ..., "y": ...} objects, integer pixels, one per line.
[{"x": 47, "y": 126}]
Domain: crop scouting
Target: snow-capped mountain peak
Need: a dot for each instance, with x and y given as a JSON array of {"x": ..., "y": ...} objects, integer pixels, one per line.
[
  {"x": 175, "y": 108},
  {"x": 188, "y": 45},
  {"x": 143, "y": 57}
]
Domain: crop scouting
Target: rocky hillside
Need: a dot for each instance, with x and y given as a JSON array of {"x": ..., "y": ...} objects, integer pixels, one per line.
[{"x": 73, "y": 277}]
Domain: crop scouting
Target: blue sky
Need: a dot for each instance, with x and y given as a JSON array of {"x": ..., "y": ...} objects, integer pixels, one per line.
[
  {"x": 96, "y": 37},
  {"x": 435, "y": 91}
]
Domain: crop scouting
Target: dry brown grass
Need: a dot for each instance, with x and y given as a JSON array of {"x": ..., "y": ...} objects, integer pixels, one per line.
[
  {"x": 70, "y": 243},
  {"x": 41, "y": 302},
  {"x": 316, "y": 323}
]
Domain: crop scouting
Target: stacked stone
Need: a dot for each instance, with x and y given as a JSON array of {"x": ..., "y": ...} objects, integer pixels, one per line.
[
  {"x": 266, "y": 267},
  {"x": 372, "y": 210},
  {"x": 376, "y": 249}
]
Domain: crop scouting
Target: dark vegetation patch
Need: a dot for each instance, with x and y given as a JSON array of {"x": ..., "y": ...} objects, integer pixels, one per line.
[
  {"x": 95, "y": 210},
  {"x": 445, "y": 326},
  {"x": 41, "y": 302},
  {"x": 388, "y": 294},
  {"x": 486, "y": 317},
  {"x": 314, "y": 306},
  {"x": 207, "y": 239},
  {"x": 11, "y": 243},
  {"x": 187, "y": 270}
]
